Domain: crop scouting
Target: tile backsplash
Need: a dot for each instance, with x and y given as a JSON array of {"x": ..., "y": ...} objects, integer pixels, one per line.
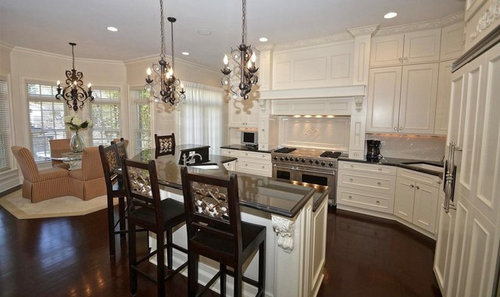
[{"x": 430, "y": 148}]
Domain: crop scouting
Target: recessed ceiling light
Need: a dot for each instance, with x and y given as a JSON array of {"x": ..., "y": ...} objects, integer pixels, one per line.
[
  {"x": 185, "y": 53},
  {"x": 390, "y": 15},
  {"x": 204, "y": 32},
  {"x": 112, "y": 29},
  {"x": 263, "y": 39}
]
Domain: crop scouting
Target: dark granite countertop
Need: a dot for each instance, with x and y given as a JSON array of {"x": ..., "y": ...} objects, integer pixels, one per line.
[
  {"x": 263, "y": 193},
  {"x": 244, "y": 148},
  {"x": 403, "y": 163}
]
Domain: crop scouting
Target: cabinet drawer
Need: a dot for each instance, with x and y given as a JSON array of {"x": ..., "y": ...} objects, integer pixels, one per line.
[
  {"x": 419, "y": 177},
  {"x": 254, "y": 168},
  {"x": 369, "y": 182},
  {"x": 364, "y": 200},
  {"x": 363, "y": 167},
  {"x": 229, "y": 153},
  {"x": 255, "y": 155}
]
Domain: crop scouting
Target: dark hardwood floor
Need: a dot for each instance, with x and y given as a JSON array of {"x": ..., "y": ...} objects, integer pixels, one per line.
[{"x": 69, "y": 257}]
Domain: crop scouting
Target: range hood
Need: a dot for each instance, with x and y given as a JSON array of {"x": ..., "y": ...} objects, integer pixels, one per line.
[{"x": 315, "y": 93}]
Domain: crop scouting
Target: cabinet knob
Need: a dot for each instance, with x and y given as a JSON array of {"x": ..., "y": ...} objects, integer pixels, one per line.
[
  {"x": 246, "y": 165},
  {"x": 379, "y": 183},
  {"x": 380, "y": 169},
  {"x": 400, "y": 128},
  {"x": 378, "y": 202},
  {"x": 350, "y": 197},
  {"x": 395, "y": 128},
  {"x": 352, "y": 166},
  {"x": 417, "y": 187},
  {"x": 401, "y": 59},
  {"x": 351, "y": 179},
  {"x": 263, "y": 167},
  {"x": 412, "y": 186}
]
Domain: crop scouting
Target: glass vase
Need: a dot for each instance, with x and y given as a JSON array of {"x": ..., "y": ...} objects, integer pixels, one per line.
[{"x": 76, "y": 143}]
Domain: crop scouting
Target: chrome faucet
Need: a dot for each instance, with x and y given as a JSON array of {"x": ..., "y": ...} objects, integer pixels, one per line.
[{"x": 191, "y": 158}]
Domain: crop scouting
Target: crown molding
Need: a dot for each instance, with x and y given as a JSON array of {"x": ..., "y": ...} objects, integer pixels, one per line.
[
  {"x": 365, "y": 30},
  {"x": 148, "y": 59},
  {"x": 488, "y": 18},
  {"x": 314, "y": 41},
  {"x": 426, "y": 25},
  {"x": 6, "y": 45},
  {"x": 18, "y": 49}
]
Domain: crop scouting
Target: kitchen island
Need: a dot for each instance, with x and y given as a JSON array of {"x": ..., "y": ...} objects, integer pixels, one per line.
[{"x": 294, "y": 215}]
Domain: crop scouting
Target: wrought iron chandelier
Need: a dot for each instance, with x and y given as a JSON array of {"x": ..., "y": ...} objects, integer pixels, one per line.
[
  {"x": 74, "y": 92},
  {"x": 243, "y": 65},
  {"x": 161, "y": 81}
]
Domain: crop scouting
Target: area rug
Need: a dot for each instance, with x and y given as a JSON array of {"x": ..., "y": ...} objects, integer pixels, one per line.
[{"x": 65, "y": 206}]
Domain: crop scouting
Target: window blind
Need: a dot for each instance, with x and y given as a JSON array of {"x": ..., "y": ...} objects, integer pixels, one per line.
[
  {"x": 46, "y": 117},
  {"x": 142, "y": 110},
  {"x": 4, "y": 126},
  {"x": 105, "y": 114}
]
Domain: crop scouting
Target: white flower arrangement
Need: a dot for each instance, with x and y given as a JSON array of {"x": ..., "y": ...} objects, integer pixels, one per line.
[{"x": 75, "y": 123}]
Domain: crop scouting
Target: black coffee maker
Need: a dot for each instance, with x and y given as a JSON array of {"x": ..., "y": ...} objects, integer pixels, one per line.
[{"x": 373, "y": 150}]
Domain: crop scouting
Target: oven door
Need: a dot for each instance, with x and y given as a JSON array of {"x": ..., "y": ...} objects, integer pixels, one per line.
[
  {"x": 284, "y": 173},
  {"x": 323, "y": 178}
]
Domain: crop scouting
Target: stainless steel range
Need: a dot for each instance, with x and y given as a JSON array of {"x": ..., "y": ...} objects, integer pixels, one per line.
[{"x": 308, "y": 166}]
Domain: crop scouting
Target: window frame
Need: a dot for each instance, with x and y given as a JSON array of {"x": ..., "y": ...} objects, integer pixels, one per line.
[
  {"x": 8, "y": 158},
  {"x": 44, "y": 98},
  {"x": 136, "y": 102},
  {"x": 103, "y": 102}
]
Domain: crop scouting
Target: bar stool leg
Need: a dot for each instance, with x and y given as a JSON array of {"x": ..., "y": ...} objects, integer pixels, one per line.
[
  {"x": 111, "y": 224},
  {"x": 160, "y": 268},
  {"x": 121, "y": 214},
  {"x": 262, "y": 269},
  {"x": 192, "y": 274},
  {"x": 238, "y": 280},
  {"x": 223, "y": 272},
  {"x": 132, "y": 258},
  {"x": 169, "y": 249}
]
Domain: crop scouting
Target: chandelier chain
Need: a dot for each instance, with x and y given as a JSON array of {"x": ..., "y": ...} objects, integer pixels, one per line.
[
  {"x": 73, "y": 55},
  {"x": 172, "y": 41},
  {"x": 244, "y": 22},
  {"x": 162, "y": 29}
]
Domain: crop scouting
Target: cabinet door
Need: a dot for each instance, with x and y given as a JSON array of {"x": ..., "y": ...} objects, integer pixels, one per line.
[
  {"x": 384, "y": 91},
  {"x": 243, "y": 113},
  {"x": 404, "y": 198},
  {"x": 418, "y": 98},
  {"x": 443, "y": 98},
  {"x": 422, "y": 47},
  {"x": 452, "y": 41},
  {"x": 387, "y": 50},
  {"x": 425, "y": 207}
]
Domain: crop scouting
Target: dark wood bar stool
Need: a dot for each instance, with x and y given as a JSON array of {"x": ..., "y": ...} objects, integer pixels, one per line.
[
  {"x": 114, "y": 189},
  {"x": 148, "y": 211},
  {"x": 215, "y": 230},
  {"x": 164, "y": 145}
]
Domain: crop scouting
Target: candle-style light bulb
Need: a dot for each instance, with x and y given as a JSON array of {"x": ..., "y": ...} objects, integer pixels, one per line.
[
  {"x": 148, "y": 71},
  {"x": 253, "y": 58},
  {"x": 89, "y": 85},
  {"x": 170, "y": 73},
  {"x": 225, "y": 60},
  {"x": 182, "y": 86},
  {"x": 58, "y": 83},
  {"x": 249, "y": 64}
]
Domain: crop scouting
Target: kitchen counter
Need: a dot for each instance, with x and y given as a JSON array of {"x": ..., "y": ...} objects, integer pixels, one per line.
[
  {"x": 294, "y": 215},
  {"x": 258, "y": 192},
  {"x": 244, "y": 148},
  {"x": 403, "y": 163}
]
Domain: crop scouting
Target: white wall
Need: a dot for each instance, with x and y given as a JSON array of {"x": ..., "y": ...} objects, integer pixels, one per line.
[{"x": 4, "y": 59}]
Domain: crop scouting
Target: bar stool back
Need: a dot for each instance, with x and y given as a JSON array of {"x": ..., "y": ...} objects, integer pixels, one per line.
[
  {"x": 164, "y": 145},
  {"x": 215, "y": 231}
]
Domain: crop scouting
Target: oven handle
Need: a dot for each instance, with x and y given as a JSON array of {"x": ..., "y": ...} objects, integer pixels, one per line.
[{"x": 320, "y": 171}]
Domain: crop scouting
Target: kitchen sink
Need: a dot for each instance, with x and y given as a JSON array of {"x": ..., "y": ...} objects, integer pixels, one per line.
[{"x": 425, "y": 166}]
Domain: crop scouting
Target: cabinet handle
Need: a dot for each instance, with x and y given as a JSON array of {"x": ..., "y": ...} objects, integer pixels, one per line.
[
  {"x": 350, "y": 197},
  {"x": 417, "y": 187},
  {"x": 395, "y": 128},
  {"x": 246, "y": 165},
  {"x": 379, "y": 183},
  {"x": 400, "y": 129},
  {"x": 412, "y": 186},
  {"x": 378, "y": 202}
]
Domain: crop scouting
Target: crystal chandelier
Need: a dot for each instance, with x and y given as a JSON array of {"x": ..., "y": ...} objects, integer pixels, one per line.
[
  {"x": 74, "y": 92},
  {"x": 160, "y": 80},
  {"x": 242, "y": 74}
]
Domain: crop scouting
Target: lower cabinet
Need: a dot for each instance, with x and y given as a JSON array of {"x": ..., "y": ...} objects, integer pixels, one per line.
[
  {"x": 258, "y": 163},
  {"x": 231, "y": 166},
  {"x": 416, "y": 198},
  {"x": 408, "y": 196}
]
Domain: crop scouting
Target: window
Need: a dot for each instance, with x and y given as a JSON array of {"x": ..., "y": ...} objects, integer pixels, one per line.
[
  {"x": 202, "y": 117},
  {"x": 46, "y": 116},
  {"x": 4, "y": 126},
  {"x": 105, "y": 113},
  {"x": 142, "y": 110}
]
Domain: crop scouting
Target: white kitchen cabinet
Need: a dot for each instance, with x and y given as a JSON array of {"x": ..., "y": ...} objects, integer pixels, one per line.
[
  {"x": 366, "y": 186},
  {"x": 243, "y": 113},
  {"x": 258, "y": 163},
  {"x": 402, "y": 99},
  {"x": 318, "y": 246},
  {"x": 452, "y": 41},
  {"x": 231, "y": 166},
  {"x": 443, "y": 98},
  {"x": 418, "y": 98},
  {"x": 416, "y": 199},
  {"x": 404, "y": 49}
]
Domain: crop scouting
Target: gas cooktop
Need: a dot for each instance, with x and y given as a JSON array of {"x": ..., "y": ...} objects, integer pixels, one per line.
[{"x": 307, "y": 157}]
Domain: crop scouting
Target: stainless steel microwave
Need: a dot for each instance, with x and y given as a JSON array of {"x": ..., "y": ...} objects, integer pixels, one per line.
[{"x": 249, "y": 138}]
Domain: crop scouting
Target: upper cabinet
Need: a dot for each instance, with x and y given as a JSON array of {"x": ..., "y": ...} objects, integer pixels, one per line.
[
  {"x": 402, "y": 49},
  {"x": 243, "y": 113},
  {"x": 452, "y": 41},
  {"x": 443, "y": 98},
  {"x": 317, "y": 66},
  {"x": 402, "y": 99}
]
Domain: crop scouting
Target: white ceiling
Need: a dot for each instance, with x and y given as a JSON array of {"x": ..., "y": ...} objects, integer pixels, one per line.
[{"x": 49, "y": 25}]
